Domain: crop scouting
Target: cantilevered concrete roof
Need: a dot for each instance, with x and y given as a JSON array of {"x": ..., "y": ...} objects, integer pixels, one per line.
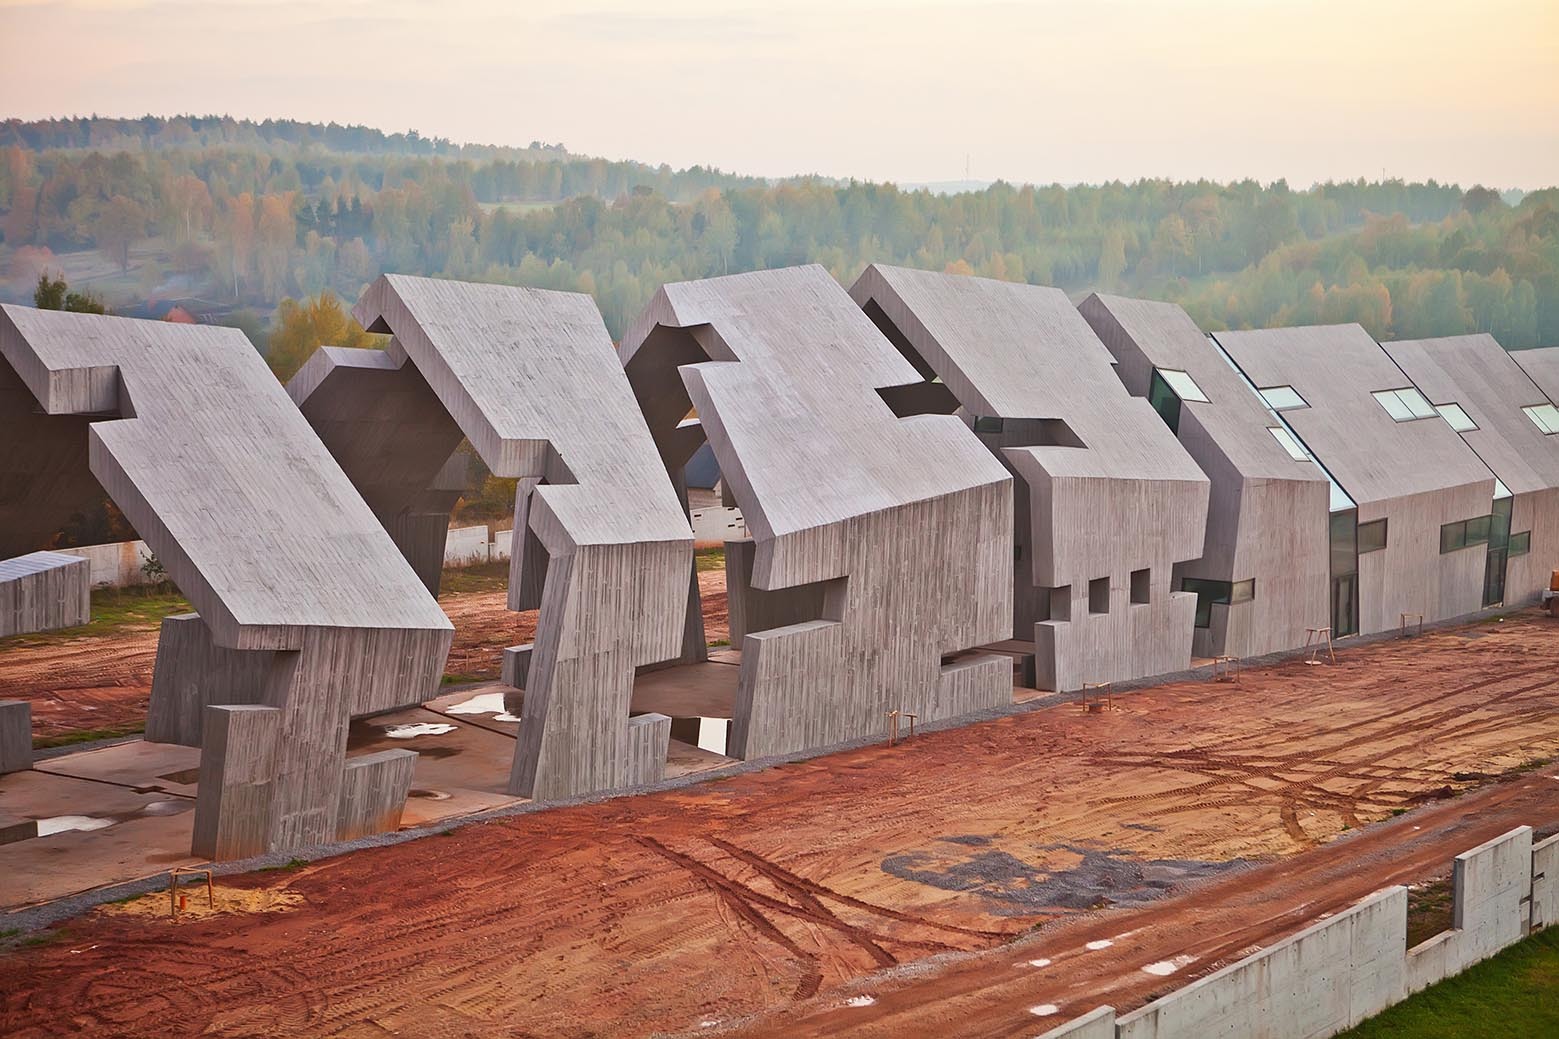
[
  {"x": 1477, "y": 373},
  {"x": 1336, "y": 368},
  {"x": 220, "y": 474},
  {"x": 1543, "y": 367},
  {"x": 1233, "y": 418}
]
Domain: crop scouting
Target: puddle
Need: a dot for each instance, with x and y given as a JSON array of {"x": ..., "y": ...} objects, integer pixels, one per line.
[
  {"x": 1045, "y": 1010},
  {"x": 184, "y": 777},
  {"x": 1038, "y": 963},
  {"x": 485, "y": 703},
  {"x": 860, "y": 1001},
  {"x": 407, "y": 732},
  {"x": 1164, "y": 968},
  {"x": 66, "y": 823},
  {"x": 168, "y": 807},
  {"x": 1102, "y": 943},
  {"x": 431, "y": 795}
]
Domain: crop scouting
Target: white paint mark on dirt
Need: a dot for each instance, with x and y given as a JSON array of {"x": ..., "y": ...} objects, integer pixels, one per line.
[
  {"x": 860, "y": 1001},
  {"x": 1045, "y": 1010},
  {"x": 1164, "y": 968},
  {"x": 485, "y": 703},
  {"x": 1102, "y": 943},
  {"x": 407, "y": 732},
  {"x": 1041, "y": 962}
]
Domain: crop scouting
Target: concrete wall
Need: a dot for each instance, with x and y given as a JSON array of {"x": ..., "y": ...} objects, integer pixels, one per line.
[
  {"x": 43, "y": 591},
  {"x": 15, "y": 735},
  {"x": 373, "y": 793},
  {"x": 1335, "y": 973}
]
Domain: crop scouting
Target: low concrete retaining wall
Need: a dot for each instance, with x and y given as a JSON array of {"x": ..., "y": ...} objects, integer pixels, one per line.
[{"x": 1335, "y": 973}]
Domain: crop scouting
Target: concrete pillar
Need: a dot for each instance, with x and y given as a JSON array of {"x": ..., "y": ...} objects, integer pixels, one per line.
[
  {"x": 649, "y": 738},
  {"x": 192, "y": 673},
  {"x": 238, "y": 762},
  {"x": 15, "y": 735},
  {"x": 373, "y": 793}
]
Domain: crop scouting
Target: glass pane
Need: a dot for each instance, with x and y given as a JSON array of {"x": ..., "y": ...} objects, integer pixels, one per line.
[
  {"x": 1452, "y": 537},
  {"x": 1281, "y": 398},
  {"x": 987, "y": 424},
  {"x": 1184, "y": 385},
  {"x": 1372, "y": 536},
  {"x": 1164, "y": 401},
  {"x": 1289, "y": 444},
  {"x": 1521, "y": 544},
  {"x": 1393, "y": 404},
  {"x": 1544, "y": 416},
  {"x": 1478, "y": 530},
  {"x": 1416, "y": 403},
  {"x": 1344, "y": 533},
  {"x": 1459, "y": 419}
]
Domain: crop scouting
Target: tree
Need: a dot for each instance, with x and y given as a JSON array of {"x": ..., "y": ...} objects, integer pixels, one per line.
[
  {"x": 302, "y": 327},
  {"x": 54, "y": 294},
  {"x": 116, "y": 226},
  {"x": 1112, "y": 258}
]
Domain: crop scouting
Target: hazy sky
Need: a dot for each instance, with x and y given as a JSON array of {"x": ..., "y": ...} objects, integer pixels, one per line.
[{"x": 1047, "y": 90}]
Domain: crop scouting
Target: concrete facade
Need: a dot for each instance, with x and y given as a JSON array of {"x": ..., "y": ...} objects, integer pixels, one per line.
[
  {"x": 1491, "y": 885},
  {"x": 1542, "y": 367},
  {"x": 881, "y": 546},
  {"x": 601, "y": 545},
  {"x": 1267, "y": 514},
  {"x": 42, "y": 591},
  {"x": 1481, "y": 385},
  {"x": 1106, "y": 501},
  {"x": 1416, "y": 474},
  {"x": 187, "y": 431}
]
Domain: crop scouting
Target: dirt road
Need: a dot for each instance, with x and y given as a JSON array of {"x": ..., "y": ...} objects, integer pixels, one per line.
[
  {"x": 759, "y": 892},
  {"x": 103, "y": 681}
]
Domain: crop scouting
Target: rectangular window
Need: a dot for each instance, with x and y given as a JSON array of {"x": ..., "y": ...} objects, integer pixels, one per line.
[
  {"x": 1243, "y": 591},
  {"x": 1282, "y": 398},
  {"x": 1405, "y": 405},
  {"x": 987, "y": 424},
  {"x": 1545, "y": 417},
  {"x": 1521, "y": 544},
  {"x": 1453, "y": 536},
  {"x": 1165, "y": 401},
  {"x": 1372, "y": 536},
  {"x": 1207, "y": 592},
  {"x": 1060, "y": 603},
  {"x": 1289, "y": 444},
  {"x": 1478, "y": 530},
  {"x": 1139, "y": 585},
  {"x": 1184, "y": 386},
  {"x": 1099, "y": 595},
  {"x": 1459, "y": 420}
]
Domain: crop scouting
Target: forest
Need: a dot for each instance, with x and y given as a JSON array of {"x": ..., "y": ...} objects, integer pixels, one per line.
[{"x": 228, "y": 219}]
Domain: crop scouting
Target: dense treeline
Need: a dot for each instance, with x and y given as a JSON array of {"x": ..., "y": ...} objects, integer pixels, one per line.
[{"x": 247, "y": 214}]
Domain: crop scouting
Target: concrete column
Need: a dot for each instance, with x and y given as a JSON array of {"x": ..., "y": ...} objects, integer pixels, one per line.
[
  {"x": 15, "y": 735},
  {"x": 373, "y": 793},
  {"x": 238, "y": 762}
]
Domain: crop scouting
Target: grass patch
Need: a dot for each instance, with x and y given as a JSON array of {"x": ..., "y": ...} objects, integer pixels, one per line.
[
  {"x": 1515, "y": 995},
  {"x": 484, "y": 577},
  {"x": 709, "y": 559},
  {"x": 290, "y": 864},
  {"x": 1429, "y": 911},
  {"x": 458, "y": 679},
  {"x": 67, "y": 739},
  {"x": 114, "y": 610}
]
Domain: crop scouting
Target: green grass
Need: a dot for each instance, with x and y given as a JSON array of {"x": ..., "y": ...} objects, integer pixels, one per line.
[
  {"x": 1515, "y": 995},
  {"x": 88, "y": 735},
  {"x": 288, "y": 865},
  {"x": 709, "y": 559},
  {"x": 485, "y": 577},
  {"x": 114, "y": 610}
]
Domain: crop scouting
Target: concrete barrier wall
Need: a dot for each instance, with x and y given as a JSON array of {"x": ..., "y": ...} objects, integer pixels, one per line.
[
  {"x": 1334, "y": 974},
  {"x": 1545, "y": 885},
  {"x": 1490, "y": 886},
  {"x": 1319, "y": 982}
]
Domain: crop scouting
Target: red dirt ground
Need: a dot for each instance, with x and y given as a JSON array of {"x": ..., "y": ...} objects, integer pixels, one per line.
[{"x": 773, "y": 893}]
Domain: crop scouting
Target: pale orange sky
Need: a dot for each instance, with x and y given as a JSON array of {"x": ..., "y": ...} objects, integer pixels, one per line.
[{"x": 1031, "y": 91}]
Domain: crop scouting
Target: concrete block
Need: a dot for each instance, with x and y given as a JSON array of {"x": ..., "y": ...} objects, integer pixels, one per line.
[
  {"x": 1544, "y": 910},
  {"x": 516, "y": 665},
  {"x": 15, "y": 735},
  {"x": 192, "y": 673},
  {"x": 373, "y": 793},
  {"x": 238, "y": 772},
  {"x": 1096, "y": 1024},
  {"x": 1490, "y": 885},
  {"x": 977, "y": 682},
  {"x": 648, "y": 738},
  {"x": 13, "y": 829},
  {"x": 43, "y": 591}
]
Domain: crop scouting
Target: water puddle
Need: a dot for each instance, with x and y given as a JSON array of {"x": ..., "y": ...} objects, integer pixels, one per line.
[
  {"x": 407, "y": 732},
  {"x": 66, "y": 823},
  {"x": 1102, "y": 943},
  {"x": 1164, "y": 968},
  {"x": 485, "y": 703}
]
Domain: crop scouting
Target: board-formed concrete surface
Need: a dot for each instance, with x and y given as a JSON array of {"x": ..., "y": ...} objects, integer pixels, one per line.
[
  {"x": 185, "y": 428},
  {"x": 1542, "y": 365},
  {"x": 1544, "y": 911},
  {"x": 1266, "y": 518},
  {"x": 1096, "y": 1024},
  {"x": 42, "y": 591},
  {"x": 601, "y": 544},
  {"x": 15, "y": 735},
  {"x": 1491, "y": 885},
  {"x": 1107, "y": 501},
  {"x": 881, "y": 546}
]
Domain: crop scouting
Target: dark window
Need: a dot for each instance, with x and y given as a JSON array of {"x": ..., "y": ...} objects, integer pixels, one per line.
[
  {"x": 1372, "y": 536},
  {"x": 1499, "y": 524},
  {"x": 1478, "y": 530},
  {"x": 1521, "y": 544},
  {"x": 1453, "y": 536},
  {"x": 1099, "y": 595},
  {"x": 1243, "y": 591},
  {"x": 1139, "y": 585},
  {"x": 1060, "y": 603},
  {"x": 1207, "y": 593},
  {"x": 1344, "y": 537},
  {"x": 1165, "y": 401},
  {"x": 987, "y": 424}
]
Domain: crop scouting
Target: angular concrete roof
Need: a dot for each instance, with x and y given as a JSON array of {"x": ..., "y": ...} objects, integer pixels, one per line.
[
  {"x": 1336, "y": 368},
  {"x": 221, "y": 476},
  {"x": 1477, "y": 373},
  {"x": 1234, "y": 417},
  {"x": 1542, "y": 365}
]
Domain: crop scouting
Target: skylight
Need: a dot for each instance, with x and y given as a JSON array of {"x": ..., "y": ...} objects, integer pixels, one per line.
[
  {"x": 1405, "y": 405},
  {"x": 1459, "y": 419},
  {"x": 1286, "y": 439},
  {"x": 1282, "y": 398},
  {"x": 1544, "y": 417},
  {"x": 1184, "y": 386}
]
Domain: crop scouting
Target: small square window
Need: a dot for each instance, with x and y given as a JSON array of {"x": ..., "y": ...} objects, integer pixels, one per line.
[
  {"x": 1060, "y": 603},
  {"x": 1520, "y": 544},
  {"x": 987, "y": 424},
  {"x": 1420, "y": 407},
  {"x": 1184, "y": 386},
  {"x": 1372, "y": 536},
  {"x": 1478, "y": 530},
  {"x": 1405, "y": 405},
  {"x": 1243, "y": 591},
  {"x": 1545, "y": 417},
  {"x": 1282, "y": 398},
  {"x": 1140, "y": 585},
  {"x": 1099, "y": 595},
  {"x": 1457, "y": 417},
  {"x": 1289, "y": 443},
  {"x": 1453, "y": 536}
]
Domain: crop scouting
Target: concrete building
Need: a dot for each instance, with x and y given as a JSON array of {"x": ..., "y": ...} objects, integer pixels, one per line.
[
  {"x": 881, "y": 546},
  {"x": 1401, "y": 472},
  {"x": 1542, "y": 367},
  {"x": 1107, "y": 502},
  {"x": 294, "y": 580},
  {"x": 1261, "y": 579},
  {"x": 601, "y": 546},
  {"x": 1483, "y": 393}
]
